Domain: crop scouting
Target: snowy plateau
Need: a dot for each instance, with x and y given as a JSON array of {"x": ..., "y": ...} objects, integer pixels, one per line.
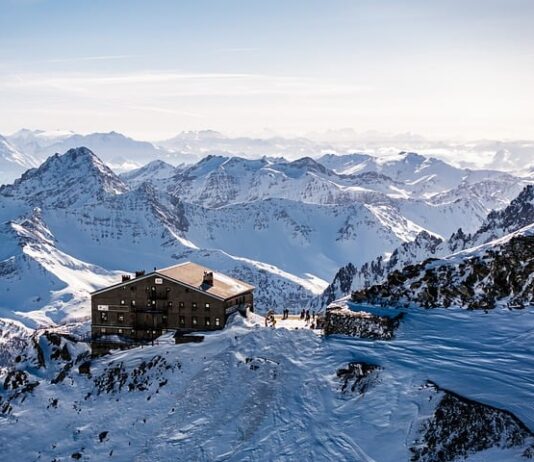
[{"x": 445, "y": 250}]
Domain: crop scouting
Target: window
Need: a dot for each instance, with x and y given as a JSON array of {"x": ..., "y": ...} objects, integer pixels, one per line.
[
  {"x": 217, "y": 322},
  {"x": 206, "y": 306},
  {"x": 194, "y": 305},
  {"x": 153, "y": 288},
  {"x": 207, "y": 322},
  {"x": 133, "y": 302},
  {"x": 164, "y": 317},
  {"x": 120, "y": 318},
  {"x": 122, "y": 302},
  {"x": 182, "y": 321},
  {"x": 169, "y": 304},
  {"x": 181, "y": 304},
  {"x": 194, "y": 320},
  {"x": 153, "y": 302},
  {"x": 103, "y": 316},
  {"x": 120, "y": 331},
  {"x": 103, "y": 330}
]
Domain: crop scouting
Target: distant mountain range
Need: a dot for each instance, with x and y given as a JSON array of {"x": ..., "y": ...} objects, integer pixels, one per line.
[{"x": 123, "y": 153}]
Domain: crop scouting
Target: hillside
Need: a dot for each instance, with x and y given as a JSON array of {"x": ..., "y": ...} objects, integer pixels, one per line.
[
  {"x": 299, "y": 395},
  {"x": 515, "y": 216}
]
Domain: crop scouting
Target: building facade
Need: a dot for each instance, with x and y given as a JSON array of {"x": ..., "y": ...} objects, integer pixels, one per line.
[{"x": 185, "y": 298}]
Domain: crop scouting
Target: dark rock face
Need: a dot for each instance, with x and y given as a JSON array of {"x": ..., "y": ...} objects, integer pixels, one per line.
[
  {"x": 460, "y": 427},
  {"x": 340, "y": 285},
  {"x": 357, "y": 377},
  {"x": 499, "y": 275},
  {"x": 146, "y": 376},
  {"x": 360, "y": 324},
  {"x": 349, "y": 277},
  {"x": 518, "y": 214}
]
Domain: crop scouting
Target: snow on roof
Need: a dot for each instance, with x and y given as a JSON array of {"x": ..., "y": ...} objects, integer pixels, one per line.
[{"x": 192, "y": 274}]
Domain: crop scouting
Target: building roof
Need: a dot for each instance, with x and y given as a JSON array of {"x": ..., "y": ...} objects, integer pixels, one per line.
[{"x": 192, "y": 274}]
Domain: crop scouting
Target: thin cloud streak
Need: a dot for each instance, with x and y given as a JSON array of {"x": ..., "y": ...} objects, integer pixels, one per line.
[{"x": 174, "y": 84}]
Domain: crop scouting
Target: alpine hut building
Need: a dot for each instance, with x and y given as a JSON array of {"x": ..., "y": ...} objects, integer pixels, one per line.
[{"x": 185, "y": 298}]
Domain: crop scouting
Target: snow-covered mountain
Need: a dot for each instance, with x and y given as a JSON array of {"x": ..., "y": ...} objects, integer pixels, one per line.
[
  {"x": 517, "y": 215},
  {"x": 13, "y": 162},
  {"x": 74, "y": 178},
  {"x": 117, "y": 150},
  {"x": 90, "y": 219},
  {"x": 156, "y": 171},
  {"x": 498, "y": 273},
  {"x": 446, "y": 384},
  {"x": 285, "y": 226}
]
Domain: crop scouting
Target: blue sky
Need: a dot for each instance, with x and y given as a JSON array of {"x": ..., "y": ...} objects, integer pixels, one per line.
[{"x": 150, "y": 69}]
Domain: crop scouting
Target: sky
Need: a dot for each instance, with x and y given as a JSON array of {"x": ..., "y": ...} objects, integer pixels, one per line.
[{"x": 448, "y": 69}]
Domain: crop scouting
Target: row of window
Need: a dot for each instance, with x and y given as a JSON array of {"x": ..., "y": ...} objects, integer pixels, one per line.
[
  {"x": 181, "y": 319},
  {"x": 195, "y": 321},
  {"x": 194, "y": 305},
  {"x": 148, "y": 289}
]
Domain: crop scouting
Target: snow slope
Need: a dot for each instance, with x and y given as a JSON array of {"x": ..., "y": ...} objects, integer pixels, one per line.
[{"x": 274, "y": 394}]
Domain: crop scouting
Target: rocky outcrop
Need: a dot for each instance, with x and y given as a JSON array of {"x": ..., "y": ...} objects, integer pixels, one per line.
[
  {"x": 350, "y": 278},
  {"x": 357, "y": 377},
  {"x": 340, "y": 320},
  {"x": 496, "y": 274},
  {"x": 460, "y": 427},
  {"x": 517, "y": 215}
]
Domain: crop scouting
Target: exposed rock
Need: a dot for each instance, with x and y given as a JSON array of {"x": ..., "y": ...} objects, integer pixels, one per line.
[
  {"x": 460, "y": 427},
  {"x": 143, "y": 377},
  {"x": 357, "y": 376},
  {"x": 340, "y": 320},
  {"x": 499, "y": 274},
  {"x": 85, "y": 368}
]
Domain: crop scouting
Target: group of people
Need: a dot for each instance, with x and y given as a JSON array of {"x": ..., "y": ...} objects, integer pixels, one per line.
[
  {"x": 305, "y": 314},
  {"x": 310, "y": 318}
]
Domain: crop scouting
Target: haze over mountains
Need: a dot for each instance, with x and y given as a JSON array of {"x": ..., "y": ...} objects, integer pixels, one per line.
[{"x": 26, "y": 148}]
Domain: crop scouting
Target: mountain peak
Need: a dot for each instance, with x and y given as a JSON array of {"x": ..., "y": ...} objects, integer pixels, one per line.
[{"x": 62, "y": 180}]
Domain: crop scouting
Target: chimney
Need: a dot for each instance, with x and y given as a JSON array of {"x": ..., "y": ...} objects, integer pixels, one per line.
[
  {"x": 208, "y": 278},
  {"x": 138, "y": 274},
  {"x": 126, "y": 277}
]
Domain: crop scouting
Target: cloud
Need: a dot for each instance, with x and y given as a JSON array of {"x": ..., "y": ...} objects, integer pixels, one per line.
[
  {"x": 177, "y": 84},
  {"x": 89, "y": 58}
]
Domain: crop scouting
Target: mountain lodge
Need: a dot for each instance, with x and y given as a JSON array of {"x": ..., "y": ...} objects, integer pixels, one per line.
[{"x": 186, "y": 297}]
